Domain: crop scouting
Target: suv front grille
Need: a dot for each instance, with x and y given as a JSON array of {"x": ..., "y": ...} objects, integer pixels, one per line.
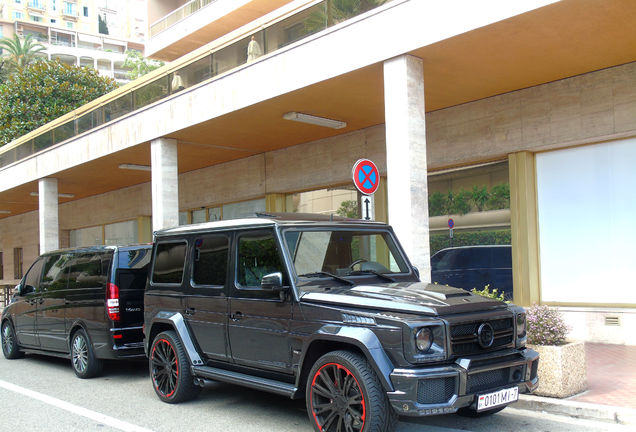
[
  {"x": 487, "y": 380},
  {"x": 464, "y": 340}
]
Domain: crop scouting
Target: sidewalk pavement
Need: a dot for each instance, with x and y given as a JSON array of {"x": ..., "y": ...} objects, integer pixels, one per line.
[{"x": 611, "y": 393}]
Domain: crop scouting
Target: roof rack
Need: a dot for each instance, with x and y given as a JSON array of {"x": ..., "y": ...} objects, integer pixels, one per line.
[{"x": 304, "y": 217}]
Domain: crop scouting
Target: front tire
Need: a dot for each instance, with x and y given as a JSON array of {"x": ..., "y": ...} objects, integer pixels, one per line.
[
  {"x": 344, "y": 394},
  {"x": 169, "y": 369},
  {"x": 85, "y": 363},
  {"x": 10, "y": 347}
]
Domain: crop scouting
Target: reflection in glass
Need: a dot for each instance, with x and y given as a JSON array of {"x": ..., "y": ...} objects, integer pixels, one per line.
[{"x": 151, "y": 92}]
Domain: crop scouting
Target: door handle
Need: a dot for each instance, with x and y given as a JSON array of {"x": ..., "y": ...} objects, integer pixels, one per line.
[{"x": 236, "y": 316}]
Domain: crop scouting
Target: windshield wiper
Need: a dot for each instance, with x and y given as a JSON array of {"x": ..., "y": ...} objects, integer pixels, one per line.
[
  {"x": 331, "y": 275},
  {"x": 378, "y": 274}
]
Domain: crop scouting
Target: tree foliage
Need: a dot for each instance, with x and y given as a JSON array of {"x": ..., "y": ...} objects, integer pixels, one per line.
[
  {"x": 44, "y": 91},
  {"x": 139, "y": 65},
  {"x": 19, "y": 52}
]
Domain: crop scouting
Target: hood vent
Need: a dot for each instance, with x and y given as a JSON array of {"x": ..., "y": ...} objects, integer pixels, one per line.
[{"x": 357, "y": 319}]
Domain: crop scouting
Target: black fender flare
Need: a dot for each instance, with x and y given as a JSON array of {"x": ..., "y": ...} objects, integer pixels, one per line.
[
  {"x": 362, "y": 338},
  {"x": 176, "y": 321}
]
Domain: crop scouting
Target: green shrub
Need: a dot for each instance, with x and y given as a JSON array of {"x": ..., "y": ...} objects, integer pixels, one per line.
[{"x": 487, "y": 292}]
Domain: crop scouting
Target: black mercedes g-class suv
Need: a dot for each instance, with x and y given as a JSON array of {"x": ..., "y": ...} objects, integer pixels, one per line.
[{"x": 331, "y": 311}]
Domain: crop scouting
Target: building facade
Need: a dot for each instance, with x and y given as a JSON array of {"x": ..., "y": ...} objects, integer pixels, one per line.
[
  {"x": 515, "y": 119},
  {"x": 70, "y": 30}
]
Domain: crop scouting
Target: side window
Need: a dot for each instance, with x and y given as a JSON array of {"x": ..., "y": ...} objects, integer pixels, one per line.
[
  {"x": 169, "y": 263},
  {"x": 257, "y": 256},
  {"x": 89, "y": 270},
  {"x": 32, "y": 278},
  {"x": 210, "y": 260},
  {"x": 56, "y": 272}
]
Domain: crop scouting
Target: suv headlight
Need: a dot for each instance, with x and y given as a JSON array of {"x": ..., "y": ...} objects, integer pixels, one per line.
[
  {"x": 521, "y": 325},
  {"x": 424, "y": 339}
]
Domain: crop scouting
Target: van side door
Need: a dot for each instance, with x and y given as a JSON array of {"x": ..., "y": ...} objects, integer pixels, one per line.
[{"x": 50, "y": 324}]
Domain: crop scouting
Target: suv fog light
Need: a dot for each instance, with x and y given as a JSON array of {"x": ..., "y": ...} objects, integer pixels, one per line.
[{"x": 424, "y": 339}]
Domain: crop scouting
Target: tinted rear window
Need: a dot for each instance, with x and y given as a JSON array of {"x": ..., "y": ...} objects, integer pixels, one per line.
[
  {"x": 133, "y": 258},
  {"x": 169, "y": 263}
]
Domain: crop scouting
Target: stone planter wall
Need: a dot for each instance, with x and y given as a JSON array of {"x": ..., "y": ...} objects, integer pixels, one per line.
[{"x": 562, "y": 370}]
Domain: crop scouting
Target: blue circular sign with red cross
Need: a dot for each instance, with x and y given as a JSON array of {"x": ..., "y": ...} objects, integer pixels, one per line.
[{"x": 366, "y": 176}]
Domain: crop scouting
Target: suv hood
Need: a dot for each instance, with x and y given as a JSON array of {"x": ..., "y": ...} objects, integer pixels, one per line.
[{"x": 410, "y": 297}]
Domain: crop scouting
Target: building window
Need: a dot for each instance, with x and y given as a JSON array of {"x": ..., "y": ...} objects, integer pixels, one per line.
[
  {"x": 69, "y": 24},
  {"x": 17, "y": 263},
  {"x": 69, "y": 8},
  {"x": 1, "y": 266},
  {"x": 53, "y": 20},
  {"x": 18, "y": 15},
  {"x": 36, "y": 18},
  {"x": 85, "y": 11}
]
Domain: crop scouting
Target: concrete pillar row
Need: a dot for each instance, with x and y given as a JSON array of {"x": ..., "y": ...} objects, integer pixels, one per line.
[
  {"x": 407, "y": 184},
  {"x": 165, "y": 183},
  {"x": 48, "y": 215}
]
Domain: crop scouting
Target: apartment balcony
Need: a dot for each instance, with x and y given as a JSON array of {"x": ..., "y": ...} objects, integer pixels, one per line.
[{"x": 175, "y": 32}]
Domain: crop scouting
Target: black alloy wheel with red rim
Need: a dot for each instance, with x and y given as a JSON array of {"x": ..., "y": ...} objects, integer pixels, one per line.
[
  {"x": 169, "y": 371},
  {"x": 345, "y": 395}
]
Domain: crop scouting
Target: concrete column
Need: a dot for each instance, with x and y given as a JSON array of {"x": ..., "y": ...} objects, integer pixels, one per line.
[
  {"x": 406, "y": 158},
  {"x": 524, "y": 226},
  {"x": 165, "y": 183},
  {"x": 48, "y": 214}
]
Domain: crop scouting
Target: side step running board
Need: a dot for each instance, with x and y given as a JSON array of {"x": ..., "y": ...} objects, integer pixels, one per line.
[{"x": 258, "y": 383}]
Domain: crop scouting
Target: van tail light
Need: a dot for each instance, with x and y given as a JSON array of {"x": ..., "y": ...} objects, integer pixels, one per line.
[{"x": 112, "y": 302}]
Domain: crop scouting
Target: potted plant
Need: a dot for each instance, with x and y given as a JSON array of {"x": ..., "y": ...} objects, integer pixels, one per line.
[{"x": 562, "y": 370}]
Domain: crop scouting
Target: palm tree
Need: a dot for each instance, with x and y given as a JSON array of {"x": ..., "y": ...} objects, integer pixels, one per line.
[{"x": 20, "y": 52}]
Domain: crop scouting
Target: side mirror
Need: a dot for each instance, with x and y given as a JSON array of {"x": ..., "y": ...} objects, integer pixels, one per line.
[
  {"x": 25, "y": 289},
  {"x": 272, "y": 281},
  {"x": 417, "y": 272}
]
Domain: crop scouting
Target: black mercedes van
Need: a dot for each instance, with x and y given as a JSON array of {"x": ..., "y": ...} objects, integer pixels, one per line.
[{"x": 84, "y": 304}]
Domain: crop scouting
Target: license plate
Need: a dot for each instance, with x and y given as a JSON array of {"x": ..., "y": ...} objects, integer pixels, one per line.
[{"x": 495, "y": 399}]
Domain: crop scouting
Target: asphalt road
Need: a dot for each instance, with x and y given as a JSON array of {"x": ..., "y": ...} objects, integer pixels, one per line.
[{"x": 42, "y": 394}]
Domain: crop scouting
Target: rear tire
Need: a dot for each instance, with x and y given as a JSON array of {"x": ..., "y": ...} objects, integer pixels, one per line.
[
  {"x": 469, "y": 412},
  {"x": 170, "y": 371},
  {"x": 344, "y": 394},
  {"x": 10, "y": 347},
  {"x": 85, "y": 364}
]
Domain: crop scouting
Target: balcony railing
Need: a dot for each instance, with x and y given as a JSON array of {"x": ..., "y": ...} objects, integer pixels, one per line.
[
  {"x": 293, "y": 28},
  {"x": 174, "y": 17}
]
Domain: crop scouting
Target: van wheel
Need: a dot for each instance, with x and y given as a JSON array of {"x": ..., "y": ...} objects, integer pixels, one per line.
[
  {"x": 10, "y": 347},
  {"x": 344, "y": 394},
  {"x": 83, "y": 360},
  {"x": 469, "y": 412},
  {"x": 169, "y": 369}
]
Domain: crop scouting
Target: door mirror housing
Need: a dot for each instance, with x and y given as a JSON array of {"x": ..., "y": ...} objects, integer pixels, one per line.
[
  {"x": 417, "y": 272},
  {"x": 25, "y": 289},
  {"x": 272, "y": 282}
]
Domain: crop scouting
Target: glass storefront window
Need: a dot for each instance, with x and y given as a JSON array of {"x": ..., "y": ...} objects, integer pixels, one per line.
[
  {"x": 477, "y": 251},
  {"x": 243, "y": 209},
  {"x": 121, "y": 233},
  {"x": 339, "y": 201},
  {"x": 86, "y": 237}
]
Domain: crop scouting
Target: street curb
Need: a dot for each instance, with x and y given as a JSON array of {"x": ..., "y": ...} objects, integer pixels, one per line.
[{"x": 584, "y": 410}]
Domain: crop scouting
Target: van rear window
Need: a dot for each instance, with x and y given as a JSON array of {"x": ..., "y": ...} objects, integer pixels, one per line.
[{"x": 134, "y": 258}]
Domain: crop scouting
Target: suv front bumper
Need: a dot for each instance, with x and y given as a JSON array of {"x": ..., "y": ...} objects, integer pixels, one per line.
[{"x": 445, "y": 389}]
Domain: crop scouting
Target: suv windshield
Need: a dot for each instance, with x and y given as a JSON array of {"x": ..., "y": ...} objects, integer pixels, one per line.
[{"x": 341, "y": 253}]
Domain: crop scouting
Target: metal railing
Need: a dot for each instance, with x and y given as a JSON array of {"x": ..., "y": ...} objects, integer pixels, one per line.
[
  {"x": 293, "y": 28},
  {"x": 6, "y": 291},
  {"x": 178, "y": 15}
]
